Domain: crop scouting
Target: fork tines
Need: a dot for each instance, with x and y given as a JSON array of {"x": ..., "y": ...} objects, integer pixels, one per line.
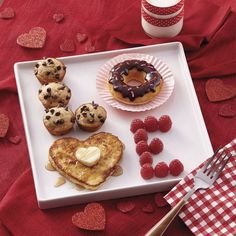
[{"x": 216, "y": 163}]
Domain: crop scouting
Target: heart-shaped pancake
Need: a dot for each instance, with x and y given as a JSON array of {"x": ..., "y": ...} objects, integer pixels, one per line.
[
  {"x": 216, "y": 90},
  {"x": 34, "y": 39},
  {"x": 63, "y": 159},
  {"x": 93, "y": 217}
]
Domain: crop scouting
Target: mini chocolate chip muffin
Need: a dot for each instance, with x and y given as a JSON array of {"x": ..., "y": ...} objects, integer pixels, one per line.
[
  {"x": 49, "y": 70},
  {"x": 59, "y": 120},
  {"x": 54, "y": 94},
  {"x": 90, "y": 116}
]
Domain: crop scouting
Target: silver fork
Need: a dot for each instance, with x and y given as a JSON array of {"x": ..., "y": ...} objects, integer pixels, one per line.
[{"x": 204, "y": 178}]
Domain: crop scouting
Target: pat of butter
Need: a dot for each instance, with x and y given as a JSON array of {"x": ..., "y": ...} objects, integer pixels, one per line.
[{"x": 88, "y": 156}]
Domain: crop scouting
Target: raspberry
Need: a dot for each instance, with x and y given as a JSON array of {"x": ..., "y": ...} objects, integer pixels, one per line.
[
  {"x": 151, "y": 123},
  {"x": 176, "y": 167},
  {"x": 147, "y": 171},
  {"x": 156, "y": 146},
  {"x": 141, "y": 147},
  {"x": 146, "y": 157},
  {"x": 161, "y": 169},
  {"x": 136, "y": 124},
  {"x": 164, "y": 123},
  {"x": 139, "y": 135}
]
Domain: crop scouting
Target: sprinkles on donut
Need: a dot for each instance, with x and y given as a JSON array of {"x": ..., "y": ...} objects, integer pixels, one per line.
[{"x": 148, "y": 82}]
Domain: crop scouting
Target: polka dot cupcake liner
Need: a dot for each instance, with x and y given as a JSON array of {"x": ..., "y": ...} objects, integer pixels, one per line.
[{"x": 161, "y": 67}]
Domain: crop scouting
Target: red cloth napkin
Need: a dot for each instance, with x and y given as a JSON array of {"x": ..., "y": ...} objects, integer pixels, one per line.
[
  {"x": 209, "y": 53},
  {"x": 211, "y": 211}
]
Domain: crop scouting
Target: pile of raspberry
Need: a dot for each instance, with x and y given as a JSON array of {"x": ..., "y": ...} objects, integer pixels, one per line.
[{"x": 145, "y": 151}]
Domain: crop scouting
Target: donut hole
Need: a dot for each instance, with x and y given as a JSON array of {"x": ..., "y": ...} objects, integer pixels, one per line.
[{"x": 135, "y": 77}]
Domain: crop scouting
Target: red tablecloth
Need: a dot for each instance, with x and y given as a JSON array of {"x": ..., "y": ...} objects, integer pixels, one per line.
[{"x": 209, "y": 39}]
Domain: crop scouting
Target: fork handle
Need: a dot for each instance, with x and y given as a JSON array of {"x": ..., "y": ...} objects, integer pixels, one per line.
[{"x": 159, "y": 228}]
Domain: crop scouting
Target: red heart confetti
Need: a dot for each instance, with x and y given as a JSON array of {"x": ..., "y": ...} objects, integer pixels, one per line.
[
  {"x": 148, "y": 208},
  {"x": 90, "y": 47},
  {"x": 93, "y": 217},
  {"x": 160, "y": 200},
  {"x": 125, "y": 206},
  {"x": 67, "y": 46},
  {"x": 15, "y": 139},
  {"x": 58, "y": 17},
  {"x": 4, "y": 125},
  {"x": 34, "y": 39},
  {"x": 7, "y": 13},
  {"x": 81, "y": 37},
  {"x": 216, "y": 90},
  {"x": 227, "y": 110}
]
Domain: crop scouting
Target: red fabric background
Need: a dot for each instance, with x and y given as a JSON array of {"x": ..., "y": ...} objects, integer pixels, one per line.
[{"x": 209, "y": 40}]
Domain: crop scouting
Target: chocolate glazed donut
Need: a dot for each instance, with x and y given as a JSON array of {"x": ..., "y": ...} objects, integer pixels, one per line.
[{"x": 151, "y": 82}]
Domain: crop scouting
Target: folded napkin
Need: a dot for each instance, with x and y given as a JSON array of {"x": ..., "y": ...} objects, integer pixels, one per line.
[{"x": 211, "y": 211}]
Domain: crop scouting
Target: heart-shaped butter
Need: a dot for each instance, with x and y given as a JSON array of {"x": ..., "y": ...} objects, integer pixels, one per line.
[{"x": 88, "y": 156}]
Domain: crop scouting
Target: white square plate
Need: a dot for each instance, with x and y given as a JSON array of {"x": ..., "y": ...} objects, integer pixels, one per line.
[{"x": 187, "y": 140}]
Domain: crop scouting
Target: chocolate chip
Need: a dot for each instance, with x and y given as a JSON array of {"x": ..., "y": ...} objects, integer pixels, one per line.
[
  {"x": 61, "y": 121},
  {"x": 99, "y": 116},
  {"x": 48, "y": 73},
  {"x": 57, "y": 113},
  {"x": 36, "y": 72},
  {"x": 46, "y": 97},
  {"x": 69, "y": 90},
  {"x": 49, "y": 90},
  {"x": 78, "y": 116},
  {"x": 67, "y": 97},
  {"x": 40, "y": 90},
  {"x": 84, "y": 108},
  {"x": 37, "y": 65},
  {"x": 50, "y": 61},
  {"x": 44, "y": 64},
  {"x": 46, "y": 110},
  {"x": 55, "y": 97},
  {"x": 47, "y": 117},
  {"x": 72, "y": 120},
  {"x": 58, "y": 67},
  {"x": 102, "y": 120},
  {"x": 57, "y": 76},
  {"x": 84, "y": 114},
  {"x": 64, "y": 67},
  {"x": 61, "y": 88},
  {"x": 52, "y": 111},
  {"x": 91, "y": 114},
  {"x": 95, "y": 106},
  {"x": 66, "y": 108}
]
